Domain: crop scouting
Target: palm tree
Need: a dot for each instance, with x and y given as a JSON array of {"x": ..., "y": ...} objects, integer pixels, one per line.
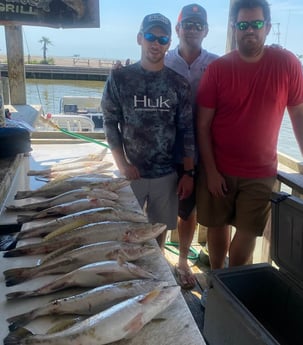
[{"x": 45, "y": 42}]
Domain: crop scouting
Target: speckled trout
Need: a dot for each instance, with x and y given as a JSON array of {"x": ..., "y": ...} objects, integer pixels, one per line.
[
  {"x": 58, "y": 262},
  {"x": 71, "y": 166},
  {"x": 64, "y": 184},
  {"x": 123, "y": 320},
  {"x": 89, "y": 302},
  {"x": 62, "y": 198},
  {"x": 91, "y": 233},
  {"x": 68, "y": 208},
  {"x": 90, "y": 275},
  {"x": 101, "y": 169},
  {"x": 75, "y": 220}
]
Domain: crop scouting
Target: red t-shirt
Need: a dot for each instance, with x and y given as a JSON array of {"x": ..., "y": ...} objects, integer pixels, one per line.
[{"x": 250, "y": 100}]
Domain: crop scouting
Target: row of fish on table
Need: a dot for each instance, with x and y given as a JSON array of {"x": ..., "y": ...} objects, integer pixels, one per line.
[{"x": 90, "y": 243}]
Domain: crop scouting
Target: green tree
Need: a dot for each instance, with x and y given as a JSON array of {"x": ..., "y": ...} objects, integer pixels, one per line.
[{"x": 45, "y": 43}]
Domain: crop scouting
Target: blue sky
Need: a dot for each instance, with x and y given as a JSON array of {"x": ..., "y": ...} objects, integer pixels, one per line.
[{"x": 120, "y": 21}]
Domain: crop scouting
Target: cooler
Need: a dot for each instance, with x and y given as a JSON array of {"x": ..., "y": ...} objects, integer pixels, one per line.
[{"x": 260, "y": 304}]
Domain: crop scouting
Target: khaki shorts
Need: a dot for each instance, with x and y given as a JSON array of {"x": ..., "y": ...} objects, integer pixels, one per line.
[
  {"x": 158, "y": 197},
  {"x": 245, "y": 206}
]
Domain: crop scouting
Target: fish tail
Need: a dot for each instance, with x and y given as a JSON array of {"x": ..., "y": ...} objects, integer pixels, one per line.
[
  {"x": 24, "y": 218},
  {"x": 38, "y": 172},
  {"x": 22, "y": 194},
  {"x": 15, "y": 276},
  {"x": 19, "y": 294},
  {"x": 14, "y": 252},
  {"x": 26, "y": 251},
  {"x": 15, "y": 338},
  {"x": 20, "y": 320}
]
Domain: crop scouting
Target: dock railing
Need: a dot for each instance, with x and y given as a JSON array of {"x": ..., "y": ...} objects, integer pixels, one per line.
[{"x": 289, "y": 180}]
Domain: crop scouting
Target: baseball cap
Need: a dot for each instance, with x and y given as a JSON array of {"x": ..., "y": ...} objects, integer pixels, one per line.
[
  {"x": 156, "y": 19},
  {"x": 193, "y": 11}
]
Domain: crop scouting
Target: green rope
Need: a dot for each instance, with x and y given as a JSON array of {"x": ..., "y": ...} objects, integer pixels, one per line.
[
  {"x": 83, "y": 137},
  {"x": 194, "y": 253}
]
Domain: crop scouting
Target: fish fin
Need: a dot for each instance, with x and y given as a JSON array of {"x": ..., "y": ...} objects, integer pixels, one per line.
[
  {"x": 22, "y": 194},
  {"x": 64, "y": 229},
  {"x": 134, "y": 326},
  {"x": 19, "y": 320},
  {"x": 14, "y": 338},
  {"x": 18, "y": 294},
  {"x": 14, "y": 252},
  {"x": 62, "y": 325},
  {"x": 150, "y": 296},
  {"x": 7, "y": 242},
  {"x": 24, "y": 218},
  {"x": 120, "y": 260},
  {"x": 15, "y": 276},
  {"x": 58, "y": 252}
]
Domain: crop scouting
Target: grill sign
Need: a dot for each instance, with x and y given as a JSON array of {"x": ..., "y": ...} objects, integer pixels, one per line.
[{"x": 52, "y": 13}]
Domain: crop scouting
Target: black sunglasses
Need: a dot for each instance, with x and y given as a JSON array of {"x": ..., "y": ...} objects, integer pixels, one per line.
[
  {"x": 192, "y": 25},
  {"x": 163, "y": 40},
  {"x": 254, "y": 24}
]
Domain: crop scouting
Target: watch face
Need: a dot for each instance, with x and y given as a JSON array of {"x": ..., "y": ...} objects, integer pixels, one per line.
[{"x": 190, "y": 172}]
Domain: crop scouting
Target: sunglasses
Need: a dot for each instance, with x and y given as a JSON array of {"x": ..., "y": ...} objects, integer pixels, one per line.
[
  {"x": 163, "y": 40},
  {"x": 192, "y": 25},
  {"x": 255, "y": 24}
]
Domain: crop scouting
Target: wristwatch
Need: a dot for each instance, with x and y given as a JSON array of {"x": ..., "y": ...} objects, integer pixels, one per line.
[{"x": 190, "y": 172}]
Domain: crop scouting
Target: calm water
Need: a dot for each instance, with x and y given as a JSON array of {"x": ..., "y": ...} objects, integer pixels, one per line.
[{"x": 48, "y": 94}]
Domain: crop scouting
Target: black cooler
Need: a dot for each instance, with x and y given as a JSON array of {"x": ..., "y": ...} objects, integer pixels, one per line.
[{"x": 260, "y": 304}]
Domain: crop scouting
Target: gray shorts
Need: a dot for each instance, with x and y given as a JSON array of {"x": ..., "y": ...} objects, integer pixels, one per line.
[{"x": 158, "y": 198}]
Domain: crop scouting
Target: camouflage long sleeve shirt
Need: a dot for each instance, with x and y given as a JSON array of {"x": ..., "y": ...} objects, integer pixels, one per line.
[{"x": 142, "y": 113}]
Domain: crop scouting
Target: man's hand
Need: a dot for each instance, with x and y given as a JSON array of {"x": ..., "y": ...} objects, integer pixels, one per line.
[
  {"x": 216, "y": 184},
  {"x": 129, "y": 171},
  {"x": 185, "y": 187}
]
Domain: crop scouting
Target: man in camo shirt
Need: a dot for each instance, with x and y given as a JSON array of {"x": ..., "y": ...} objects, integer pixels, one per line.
[{"x": 144, "y": 105}]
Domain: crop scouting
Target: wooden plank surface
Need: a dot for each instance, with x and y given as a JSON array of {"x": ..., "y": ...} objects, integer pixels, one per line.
[{"x": 174, "y": 326}]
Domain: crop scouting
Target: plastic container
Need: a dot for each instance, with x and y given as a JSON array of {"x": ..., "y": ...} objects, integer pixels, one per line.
[{"x": 260, "y": 304}]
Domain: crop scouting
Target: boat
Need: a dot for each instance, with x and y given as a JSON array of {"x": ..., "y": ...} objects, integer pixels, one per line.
[
  {"x": 78, "y": 114},
  {"x": 87, "y": 106}
]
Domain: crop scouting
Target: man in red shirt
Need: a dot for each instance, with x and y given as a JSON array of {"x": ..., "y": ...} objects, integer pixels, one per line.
[{"x": 242, "y": 98}]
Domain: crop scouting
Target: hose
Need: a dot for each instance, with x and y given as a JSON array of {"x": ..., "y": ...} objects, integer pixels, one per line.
[
  {"x": 193, "y": 256},
  {"x": 72, "y": 134}
]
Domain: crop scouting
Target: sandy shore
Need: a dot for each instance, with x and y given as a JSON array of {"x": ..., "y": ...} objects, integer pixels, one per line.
[{"x": 68, "y": 61}]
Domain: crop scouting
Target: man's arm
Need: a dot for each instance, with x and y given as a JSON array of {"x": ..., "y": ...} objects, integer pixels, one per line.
[
  {"x": 112, "y": 114},
  {"x": 126, "y": 169},
  {"x": 296, "y": 117},
  {"x": 215, "y": 181}
]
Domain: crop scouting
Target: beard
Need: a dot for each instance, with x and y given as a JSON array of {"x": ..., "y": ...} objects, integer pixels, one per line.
[{"x": 250, "y": 45}]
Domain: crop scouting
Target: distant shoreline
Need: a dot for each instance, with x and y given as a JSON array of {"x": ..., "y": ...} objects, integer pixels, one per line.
[{"x": 69, "y": 61}]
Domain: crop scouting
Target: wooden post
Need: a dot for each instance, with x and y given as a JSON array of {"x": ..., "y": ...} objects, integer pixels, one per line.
[
  {"x": 230, "y": 41},
  {"x": 15, "y": 64},
  {"x": 6, "y": 92}
]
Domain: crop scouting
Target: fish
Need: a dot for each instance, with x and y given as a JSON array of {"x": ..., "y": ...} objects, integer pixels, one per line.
[
  {"x": 91, "y": 233},
  {"x": 121, "y": 321},
  {"x": 100, "y": 168},
  {"x": 97, "y": 156},
  {"x": 61, "y": 185},
  {"x": 69, "y": 196},
  {"x": 88, "y": 276},
  {"x": 89, "y": 302},
  {"x": 68, "y": 208},
  {"x": 64, "y": 262},
  {"x": 69, "y": 166},
  {"x": 75, "y": 220}
]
